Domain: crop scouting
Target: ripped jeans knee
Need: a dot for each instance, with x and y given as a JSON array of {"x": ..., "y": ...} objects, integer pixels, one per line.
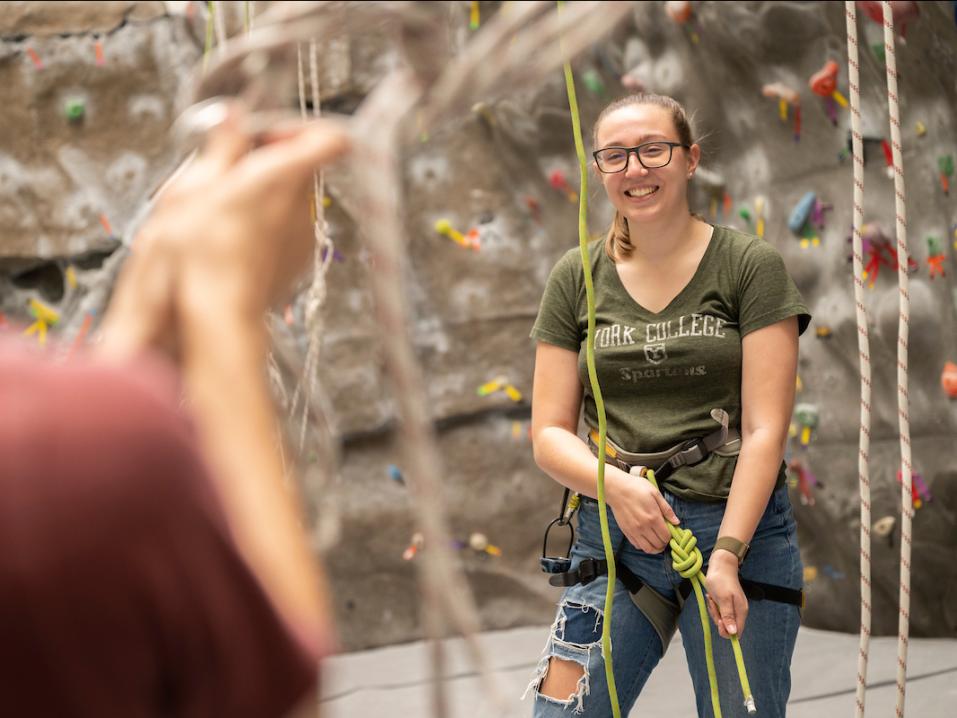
[{"x": 575, "y": 638}]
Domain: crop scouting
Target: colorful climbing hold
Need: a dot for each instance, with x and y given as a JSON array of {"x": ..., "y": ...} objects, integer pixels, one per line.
[
  {"x": 45, "y": 317},
  {"x": 557, "y": 180},
  {"x": 824, "y": 83},
  {"x": 884, "y": 526},
  {"x": 105, "y": 223},
  {"x": 945, "y": 165},
  {"x": 74, "y": 109},
  {"x": 801, "y": 212},
  {"x": 35, "y": 58},
  {"x": 474, "y": 16},
  {"x": 500, "y": 383},
  {"x": 948, "y": 379},
  {"x": 759, "y": 204},
  {"x": 479, "y": 542},
  {"x": 935, "y": 257},
  {"x": 415, "y": 545},
  {"x": 444, "y": 227},
  {"x": 593, "y": 82},
  {"x": 804, "y": 480},
  {"x": 806, "y": 418},
  {"x": 395, "y": 474}
]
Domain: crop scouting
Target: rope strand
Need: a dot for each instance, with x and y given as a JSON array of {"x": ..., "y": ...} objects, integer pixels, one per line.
[
  {"x": 863, "y": 345},
  {"x": 595, "y": 387},
  {"x": 907, "y": 511}
]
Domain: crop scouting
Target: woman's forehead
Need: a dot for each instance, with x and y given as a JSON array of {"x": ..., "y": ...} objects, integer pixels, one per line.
[{"x": 633, "y": 124}]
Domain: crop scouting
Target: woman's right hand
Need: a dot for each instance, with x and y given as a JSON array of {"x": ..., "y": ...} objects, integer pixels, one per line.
[{"x": 640, "y": 510}]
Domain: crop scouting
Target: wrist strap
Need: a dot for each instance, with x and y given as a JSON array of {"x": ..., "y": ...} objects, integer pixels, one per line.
[{"x": 729, "y": 543}]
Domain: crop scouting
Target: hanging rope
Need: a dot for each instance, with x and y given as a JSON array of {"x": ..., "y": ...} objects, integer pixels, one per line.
[
  {"x": 863, "y": 346},
  {"x": 907, "y": 510},
  {"x": 595, "y": 387},
  {"x": 322, "y": 258}
]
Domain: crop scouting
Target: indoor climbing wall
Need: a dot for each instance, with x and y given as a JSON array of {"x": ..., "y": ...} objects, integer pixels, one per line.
[{"x": 489, "y": 204}]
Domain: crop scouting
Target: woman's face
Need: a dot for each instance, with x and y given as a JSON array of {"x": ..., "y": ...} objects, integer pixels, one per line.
[{"x": 640, "y": 194}]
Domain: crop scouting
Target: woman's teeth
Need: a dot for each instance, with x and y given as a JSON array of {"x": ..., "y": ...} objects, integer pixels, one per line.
[{"x": 639, "y": 192}]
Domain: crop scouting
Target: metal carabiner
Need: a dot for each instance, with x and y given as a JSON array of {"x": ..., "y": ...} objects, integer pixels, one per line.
[{"x": 557, "y": 564}]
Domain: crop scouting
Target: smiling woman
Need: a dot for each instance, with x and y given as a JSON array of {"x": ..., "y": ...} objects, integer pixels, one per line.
[{"x": 693, "y": 322}]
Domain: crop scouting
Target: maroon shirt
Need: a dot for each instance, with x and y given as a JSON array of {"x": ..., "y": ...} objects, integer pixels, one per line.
[{"x": 122, "y": 592}]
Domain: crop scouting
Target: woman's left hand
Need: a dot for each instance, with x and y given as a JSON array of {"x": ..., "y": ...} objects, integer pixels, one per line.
[{"x": 726, "y": 601}]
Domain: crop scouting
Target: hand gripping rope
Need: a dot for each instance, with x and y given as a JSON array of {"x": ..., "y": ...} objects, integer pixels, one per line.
[{"x": 685, "y": 555}]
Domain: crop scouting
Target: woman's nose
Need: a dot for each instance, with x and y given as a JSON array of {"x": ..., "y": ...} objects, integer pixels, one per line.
[{"x": 634, "y": 168}]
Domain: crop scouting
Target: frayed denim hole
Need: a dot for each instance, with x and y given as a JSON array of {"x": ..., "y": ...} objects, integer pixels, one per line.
[{"x": 582, "y": 624}]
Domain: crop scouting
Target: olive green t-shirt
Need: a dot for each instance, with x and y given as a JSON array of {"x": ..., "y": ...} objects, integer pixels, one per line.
[{"x": 661, "y": 374}]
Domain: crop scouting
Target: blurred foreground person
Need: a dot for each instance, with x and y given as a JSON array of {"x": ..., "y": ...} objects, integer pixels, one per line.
[{"x": 153, "y": 559}]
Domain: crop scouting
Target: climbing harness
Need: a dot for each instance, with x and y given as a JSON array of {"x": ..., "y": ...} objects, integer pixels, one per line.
[
  {"x": 724, "y": 441},
  {"x": 661, "y": 612}
]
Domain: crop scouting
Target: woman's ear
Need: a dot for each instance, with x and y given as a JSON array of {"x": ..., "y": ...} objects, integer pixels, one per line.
[{"x": 694, "y": 157}]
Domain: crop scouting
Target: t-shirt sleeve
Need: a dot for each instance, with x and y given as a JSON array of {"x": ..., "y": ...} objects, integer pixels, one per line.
[
  {"x": 557, "y": 320},
  {"x": 766, "y": 292}
]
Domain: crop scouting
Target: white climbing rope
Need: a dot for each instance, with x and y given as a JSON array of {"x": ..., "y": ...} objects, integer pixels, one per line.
[
  {"x": 863, "y": 346},
  {"x": 907, "y": 510},
  {"x": 324, "y": 251}
]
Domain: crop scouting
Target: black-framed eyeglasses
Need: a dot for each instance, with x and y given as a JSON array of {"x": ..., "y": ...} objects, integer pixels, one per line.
[{"x": 651, "y": 155}]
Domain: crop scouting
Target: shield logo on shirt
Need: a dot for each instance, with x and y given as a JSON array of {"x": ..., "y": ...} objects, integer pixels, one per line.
[{"x": 655, "y": 353}]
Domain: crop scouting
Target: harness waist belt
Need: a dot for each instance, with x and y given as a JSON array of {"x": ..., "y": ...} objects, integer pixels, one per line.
[{"x": 723, "y": 441}]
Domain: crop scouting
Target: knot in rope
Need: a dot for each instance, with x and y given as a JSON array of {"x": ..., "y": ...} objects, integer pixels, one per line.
[{"x": 685, "y": 555}]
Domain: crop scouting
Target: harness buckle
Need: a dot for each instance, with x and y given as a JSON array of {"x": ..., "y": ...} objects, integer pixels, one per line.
[
  {"x": 590, "y": 569},
  {"x": 694, "y": 452}
]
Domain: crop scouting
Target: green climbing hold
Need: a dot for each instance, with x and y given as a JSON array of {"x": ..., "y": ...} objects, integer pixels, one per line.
[
  {"x": 74, "y": 110},
  {"x": 593, "y": 82},
  {"x": 946, "y": 165}
]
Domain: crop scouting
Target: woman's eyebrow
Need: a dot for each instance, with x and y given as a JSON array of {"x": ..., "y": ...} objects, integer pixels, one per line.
[{"x": 642, "y": 139}]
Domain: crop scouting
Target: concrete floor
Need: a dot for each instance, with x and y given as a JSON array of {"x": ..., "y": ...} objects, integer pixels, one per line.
[{"x": 394, "y": 681}]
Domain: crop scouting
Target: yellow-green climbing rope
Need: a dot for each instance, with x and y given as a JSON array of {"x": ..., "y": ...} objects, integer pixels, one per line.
[
  {"x": 596, "y": 389},
  {"x": 686, "y": 560},
  {"x": 685, "y": 555}
]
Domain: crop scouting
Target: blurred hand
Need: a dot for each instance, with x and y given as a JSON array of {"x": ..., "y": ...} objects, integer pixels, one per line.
[
  {"x": 230, "y": 234},
  {"x": 640, "y": 510}
]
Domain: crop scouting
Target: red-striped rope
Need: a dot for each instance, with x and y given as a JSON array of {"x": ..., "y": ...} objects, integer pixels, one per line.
[
  {"x": 853, "y": 72},
  {"x": 907, "y": 511}
]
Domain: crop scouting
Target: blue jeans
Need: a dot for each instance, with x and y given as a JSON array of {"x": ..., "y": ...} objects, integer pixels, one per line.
[{"x": 767, "y": 642}]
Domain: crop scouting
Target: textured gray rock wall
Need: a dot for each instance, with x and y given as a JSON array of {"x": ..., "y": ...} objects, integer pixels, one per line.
[{"x": 489, "y": 172}]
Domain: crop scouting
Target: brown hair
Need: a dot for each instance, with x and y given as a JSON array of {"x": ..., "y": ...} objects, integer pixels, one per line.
[{"x": 617, "y": 241}]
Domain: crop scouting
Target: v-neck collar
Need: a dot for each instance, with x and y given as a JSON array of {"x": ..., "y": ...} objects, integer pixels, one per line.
[{"x": 684, "y": 290}]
